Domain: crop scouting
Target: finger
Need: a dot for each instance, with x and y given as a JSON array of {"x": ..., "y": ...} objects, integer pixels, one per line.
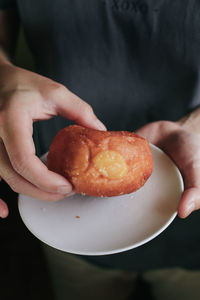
[
  {"x": 149, "y": 132},
  {"x": 190, "y": 202},
  {"x": 19, "y": 185},
  {"x": 3, "y": 209},
  {"x": 21, "y": 151},
  {"x": 152, "y": 131},
  {"x": 72, "y": 107}
]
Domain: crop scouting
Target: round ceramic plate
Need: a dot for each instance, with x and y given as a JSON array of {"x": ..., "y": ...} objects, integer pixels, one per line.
[{"x": 97, "y": 226}]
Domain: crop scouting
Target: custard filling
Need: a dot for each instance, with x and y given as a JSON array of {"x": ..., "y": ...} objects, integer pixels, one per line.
[{"x": 110, "y": 164}]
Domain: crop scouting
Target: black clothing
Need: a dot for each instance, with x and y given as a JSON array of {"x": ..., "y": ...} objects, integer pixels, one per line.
[{"x": 134, "y": 62}]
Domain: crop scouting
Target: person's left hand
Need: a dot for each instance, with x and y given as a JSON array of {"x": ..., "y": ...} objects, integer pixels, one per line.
[{"x": 184, "y": 149}]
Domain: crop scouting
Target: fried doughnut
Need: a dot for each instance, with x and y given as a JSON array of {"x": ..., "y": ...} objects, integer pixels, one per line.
[{"x": 101, "y": 163}]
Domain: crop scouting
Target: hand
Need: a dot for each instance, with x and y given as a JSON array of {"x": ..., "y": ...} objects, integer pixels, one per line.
[
  {"x": 184, "y": 149},
  {"x": 26, "y": 97}
]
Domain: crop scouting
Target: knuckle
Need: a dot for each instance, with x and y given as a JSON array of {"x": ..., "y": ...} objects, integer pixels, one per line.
[
  {"x": 12, "y": 182},
  {"x": 87, "y": 109},
  {"x": 10, "y": 97},
  {"x": 58, "y": 89},
  {"x": 11, "y": 100},
  {"x": 15, "y": 189},
  {"x": 19, "y": 164},
  {"x": 8, "y": 110}
]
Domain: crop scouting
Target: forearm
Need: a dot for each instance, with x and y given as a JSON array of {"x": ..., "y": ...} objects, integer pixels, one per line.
[{"x": 191, "y": 122}]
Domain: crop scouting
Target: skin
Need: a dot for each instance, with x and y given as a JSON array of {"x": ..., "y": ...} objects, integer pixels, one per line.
[
  {"x": 181, "y": 142},
  {"x": 26, "y": 97}
]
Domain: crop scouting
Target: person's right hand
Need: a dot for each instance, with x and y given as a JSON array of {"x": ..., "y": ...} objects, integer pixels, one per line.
[{"x": 26, "y": 97}]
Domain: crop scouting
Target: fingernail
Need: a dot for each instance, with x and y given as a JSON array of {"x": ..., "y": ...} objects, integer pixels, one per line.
[
  {"x": 64, "y": 189},
  {"x": 70, "y": 194},
  {"x": 190, "y": 208},
  {"x": 100, "y": 125}
]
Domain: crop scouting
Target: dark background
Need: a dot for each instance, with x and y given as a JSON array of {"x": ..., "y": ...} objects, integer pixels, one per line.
[{"x": 23, "y": 270}]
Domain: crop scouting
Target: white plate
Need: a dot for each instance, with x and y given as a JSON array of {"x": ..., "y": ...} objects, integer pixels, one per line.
[{"x": 108, "y": 225}]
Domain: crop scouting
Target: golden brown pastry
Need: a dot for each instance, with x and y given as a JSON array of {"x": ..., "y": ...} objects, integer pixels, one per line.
[{"x": 101, "y": 163}]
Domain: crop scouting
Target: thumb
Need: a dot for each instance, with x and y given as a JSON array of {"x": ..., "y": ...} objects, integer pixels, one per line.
[
  {"x": 190, "y": 200},
  {"x": 149, "y": 132},
  {"x": 155, "y": 132},
  {"x": 70, "y": 106}
]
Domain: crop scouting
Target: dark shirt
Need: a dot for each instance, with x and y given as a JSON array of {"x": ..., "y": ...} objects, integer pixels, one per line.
[{"x": 134, "y": 61}]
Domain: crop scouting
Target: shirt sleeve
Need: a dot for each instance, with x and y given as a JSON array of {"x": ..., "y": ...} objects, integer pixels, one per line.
[{"x": 7, "y": 3}]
